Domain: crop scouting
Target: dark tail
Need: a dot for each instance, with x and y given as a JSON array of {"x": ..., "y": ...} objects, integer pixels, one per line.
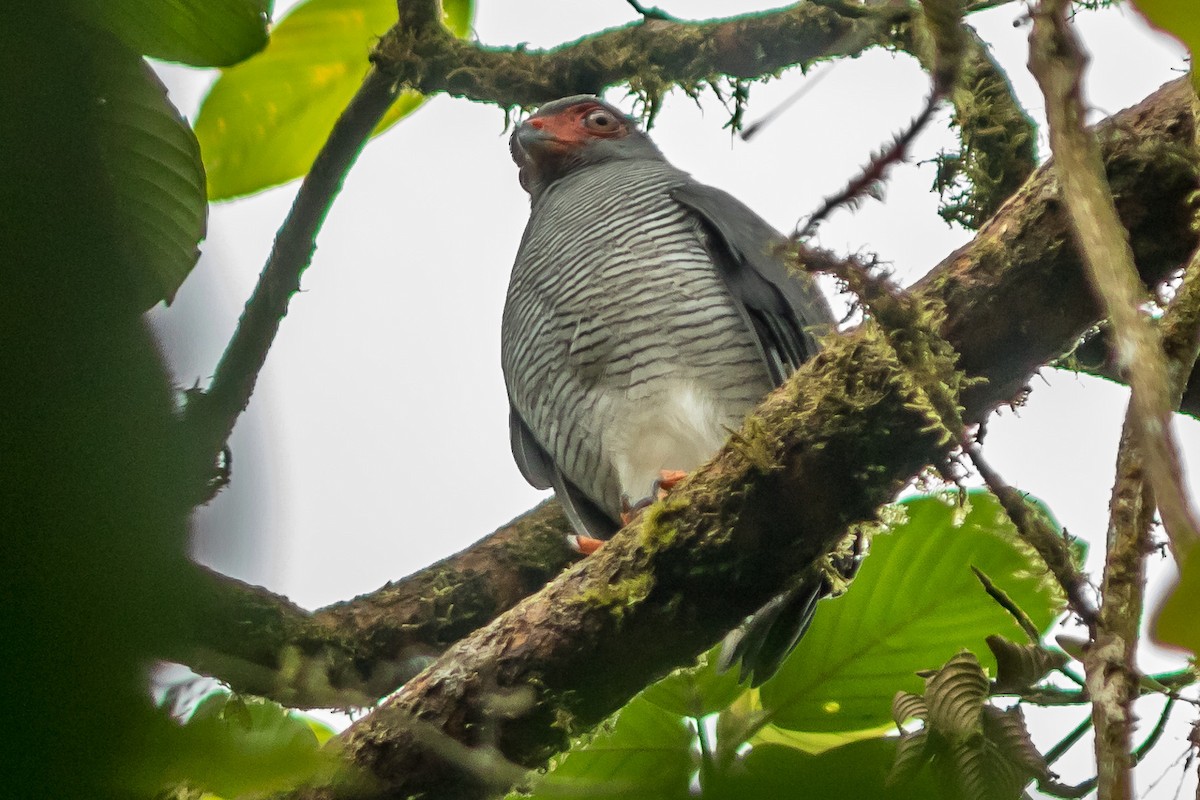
[{"x": 766, "y": 638}]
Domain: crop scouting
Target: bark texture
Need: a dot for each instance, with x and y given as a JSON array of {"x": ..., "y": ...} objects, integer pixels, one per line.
[{"x": 354, "y": 652}]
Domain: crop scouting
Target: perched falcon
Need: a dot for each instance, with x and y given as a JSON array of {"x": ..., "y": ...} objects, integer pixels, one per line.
[{"x": 646, "y": 315}]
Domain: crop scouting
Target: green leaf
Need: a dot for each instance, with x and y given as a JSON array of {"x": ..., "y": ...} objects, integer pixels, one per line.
[
  {"x": 914, "y": 604},
  {"x": 1020, "y": 666},
  {"x": 644, "y": 752},
  {"x": 203, "y": 33},
  {"x": 985, "y": 752},
  {"x": 816, "y": 743},
  {"x": 696, "y": 692},
  {"x": 1179, "y": 20},
  {"x": 1175, "y": 621},
  {"x": 155, "y": 178},
  {"x": 955, "y": 696},
  {"x": 233, "y": 745},
  {"x": 857, "y": 770},
  {"x": 265, "y": 119}
]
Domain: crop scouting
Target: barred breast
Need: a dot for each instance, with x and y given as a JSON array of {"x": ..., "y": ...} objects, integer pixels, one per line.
[{"x": 622, "y": 349}]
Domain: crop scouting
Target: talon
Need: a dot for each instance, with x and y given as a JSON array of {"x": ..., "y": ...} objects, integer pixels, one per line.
[
  {"x": 630, "y": 513},
  {"x": 667, "y": 480},
  {"x": 584, "y": 545}
]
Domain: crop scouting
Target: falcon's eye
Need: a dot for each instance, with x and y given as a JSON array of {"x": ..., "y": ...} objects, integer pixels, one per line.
[{"x": 601, "y": 120}]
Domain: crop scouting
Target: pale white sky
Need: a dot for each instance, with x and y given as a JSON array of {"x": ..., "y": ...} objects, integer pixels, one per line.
[{"x": 377, "y": 441}]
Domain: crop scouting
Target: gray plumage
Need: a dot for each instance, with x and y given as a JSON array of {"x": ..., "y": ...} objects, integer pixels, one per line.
[{"x": 645, "y": 316}]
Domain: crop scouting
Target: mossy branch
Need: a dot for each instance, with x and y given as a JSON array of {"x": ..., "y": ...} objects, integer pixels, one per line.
[
  {"x": 998, "y": 149},
  {"x": 354, "y": 652},
  {"x": 651, "y": 51}
]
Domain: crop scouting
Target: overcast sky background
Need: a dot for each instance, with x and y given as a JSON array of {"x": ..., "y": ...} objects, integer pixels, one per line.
[{"x": 377, "y": 440}]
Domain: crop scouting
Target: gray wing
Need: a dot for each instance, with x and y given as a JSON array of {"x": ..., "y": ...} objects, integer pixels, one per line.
[
  {"x": 538, "y": 468},
  {"x": 785, "y": 310},
  {"x": 787, "y": 313}
]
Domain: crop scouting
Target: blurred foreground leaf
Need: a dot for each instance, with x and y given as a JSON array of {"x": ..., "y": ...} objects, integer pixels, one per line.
[
  {"x": 644, "y": 752},
  {"x": 202, "y": 33},
  {"x": 234, "y": 745},
  {"x": 1175, "y": 621},
  {"x": 1179, "y": 20},
  {"x": 154, "y": 178}
]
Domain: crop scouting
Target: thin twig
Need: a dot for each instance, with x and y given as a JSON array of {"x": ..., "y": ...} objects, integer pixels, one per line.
[
  {"x": 212, "y": 415},
  {"x": 1034, "y": 529},
  {"x": 1067, "y": 742},
  {"x": 950, "y": 42},
  {"x": 874, "y": 173},
  {"x": 1156, "y": 734},
  {"x": 1008, "y": 604}
]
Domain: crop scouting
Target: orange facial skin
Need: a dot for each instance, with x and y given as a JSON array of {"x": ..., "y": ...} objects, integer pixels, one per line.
[{"x": 574, "y": 126}]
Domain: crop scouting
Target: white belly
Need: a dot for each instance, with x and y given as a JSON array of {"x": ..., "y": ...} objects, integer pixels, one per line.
[{"x": 679, "y": 427}]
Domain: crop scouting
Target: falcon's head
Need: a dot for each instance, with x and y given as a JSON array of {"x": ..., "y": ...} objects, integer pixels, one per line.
[{"x": 572, "y": 133}]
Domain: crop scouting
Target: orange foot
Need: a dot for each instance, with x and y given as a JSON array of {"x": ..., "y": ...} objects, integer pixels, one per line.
[
  {"x": 585, "y": 545},
  {"x": 667, "y": 479}
]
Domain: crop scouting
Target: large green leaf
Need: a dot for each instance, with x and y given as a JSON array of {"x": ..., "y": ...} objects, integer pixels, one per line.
[
  {"x": 855, "y": 771},
  {"x": 203, "y": 33},
  {"x": 155, "y": 178},
  {"x": 645, "y": 752},
  {"x": 234, "y": 745},
  {"x": 265, "y": 119},
  {"x": 914, "y": 604},
  {"x": 698, "y": 691}
]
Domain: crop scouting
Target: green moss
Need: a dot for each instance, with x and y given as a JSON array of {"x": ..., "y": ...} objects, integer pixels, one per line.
[
  {"x": 758, "y": 444},
  {"x": 620, "y": 595},
  {"x": 998, "y": 143},
  {"x": 657, "y": 529},
  {"x": 544, "y": 548}
]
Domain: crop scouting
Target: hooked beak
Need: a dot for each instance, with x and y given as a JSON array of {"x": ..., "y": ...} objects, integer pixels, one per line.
[{"x": 531, "y": 138}]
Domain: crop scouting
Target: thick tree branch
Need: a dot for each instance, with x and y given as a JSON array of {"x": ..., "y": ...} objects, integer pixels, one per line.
[
  {"x": 822, "y": 453},
  {"x": 651, "y": 54},
  {"x": 353, "y": 653}
]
